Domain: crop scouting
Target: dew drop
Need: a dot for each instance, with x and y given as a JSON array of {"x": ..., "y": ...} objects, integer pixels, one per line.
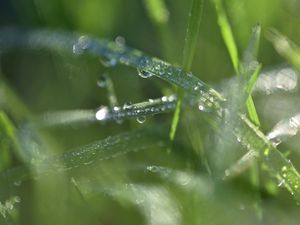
[
  {"x": 141, "y": 119},
  {"x": 164, "y": 98},
  {"x": 144, "y": 74},
  {"x": 17, "y": 199},
  {"x": 17, "y": 183},
  {"x": 102, "y": 81},
  {"x": 116, "y": 108},
  {"x": 201, "y": 108},
  {"x": 284, "y": 168},
  {"x": 108, "y": 62},
  {"x": 172, "y": 98},
  {"x": 120, "y": 41},
  {"x": 281, "y": 183},
  {"x": 127, "y": 105},
  {"x": 102, "y": 113},
  {"x": 81, "y": 45}
]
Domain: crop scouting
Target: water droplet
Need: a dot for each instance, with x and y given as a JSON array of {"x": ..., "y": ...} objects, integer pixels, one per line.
[
  {"x": 109, "y": 62},
  {"x": 172, "y": 98},
  {"x": 164, "y": 98},
  {"x": 102, "y": 113},
  {"x": 141, "y": 119},
  {"x": 120, "y": 41},
  {"x": 201, "y": 108},
  {"x": 127, "y": 105},
  {"x": 150, "y": 100},
  {"x": 144, "y": 74},
  {"x": 242, "y": 207},
  {"x": 116, "y": 108},
  {"x": 17, "y": 183},
  {"x": 17, "y": 199},
  {"x": 284, "y": 168},
  {"x": 81, "y": 45},
  {"x": 153, "y": 169},
  {"x": 102, "y": 81},
  {"x": 281, "y": 183}
]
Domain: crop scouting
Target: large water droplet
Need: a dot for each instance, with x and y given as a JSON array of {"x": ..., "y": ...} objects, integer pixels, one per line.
[
  {"x": 120, "y": 41},
  {"x": 201, "y": 107},
  {"x": 81, "y": 45},
  {"x": 116, "y": 108},
  {"x": 144, "y": 74},
  {"x": 164, "y": 99},
  {"x": 102, "y": 113},
  {"x": 141, "y": 119}
]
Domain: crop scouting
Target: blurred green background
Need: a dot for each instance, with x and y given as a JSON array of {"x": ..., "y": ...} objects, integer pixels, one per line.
[{"x": 48, "y": 81}]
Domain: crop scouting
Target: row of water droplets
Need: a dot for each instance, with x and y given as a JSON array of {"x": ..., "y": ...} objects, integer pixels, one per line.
[
  {"x": 148, "y": 67},
  {"x": 139, "y": 110}
]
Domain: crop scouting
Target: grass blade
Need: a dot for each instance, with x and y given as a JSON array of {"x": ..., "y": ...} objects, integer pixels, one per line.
[
  {"x": 188, "y": 55},
  {"x": 62, "y": 41},
  {"x": 285, "y": 47},
  {"x": 227, "y": 35}
]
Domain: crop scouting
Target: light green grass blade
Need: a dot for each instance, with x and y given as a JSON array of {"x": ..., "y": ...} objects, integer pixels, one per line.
[
  {"x": 251, "y": 51},
  {"x": 250, "y": 68},
  {"x": 249, "y": 102},
  {"x": 8, "y": 141},
  {"x": 188, "y": 55},
  {"x": 192, "y": 34},
  {"x": 227, "y": 34},
  {"x": 249, "y": 58}
]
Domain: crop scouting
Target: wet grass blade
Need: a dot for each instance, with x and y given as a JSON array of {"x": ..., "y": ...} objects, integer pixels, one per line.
[{"x": 62, "y": 41}]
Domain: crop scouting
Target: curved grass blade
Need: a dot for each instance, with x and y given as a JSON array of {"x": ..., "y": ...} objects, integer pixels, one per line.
[{"x": 62, "y": 41}]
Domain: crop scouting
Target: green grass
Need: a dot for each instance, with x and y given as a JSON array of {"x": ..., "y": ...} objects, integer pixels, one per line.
[
  {"x": 188, "y": 55},
  {"x": 85, "y": 121}
]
